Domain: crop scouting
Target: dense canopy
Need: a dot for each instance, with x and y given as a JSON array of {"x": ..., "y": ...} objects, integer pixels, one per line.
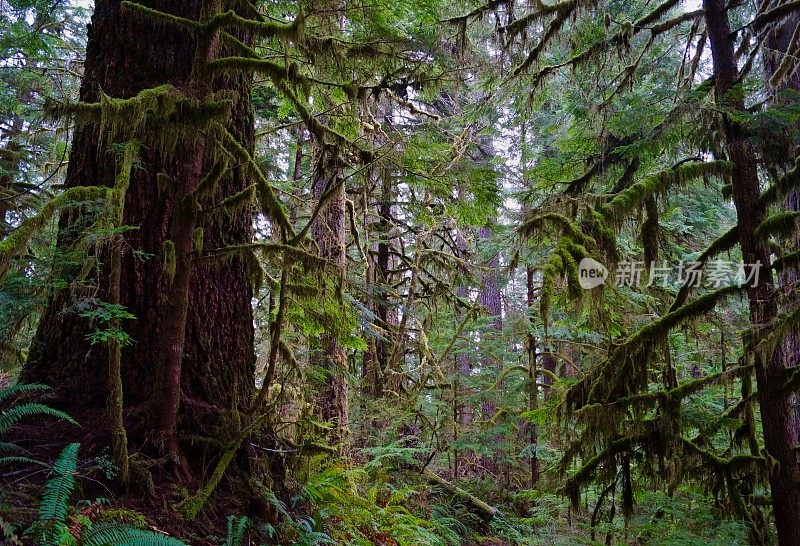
[{"x": 399, "y": 273}]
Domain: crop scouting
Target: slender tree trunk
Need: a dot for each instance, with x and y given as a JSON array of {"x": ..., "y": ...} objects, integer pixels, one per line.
[
  {"x": 127, "y": 53},
  {"x": 778, "y": 419},
  {"x": 387, "y": 318},
  {"x": 329, "y": 233},
  {"x": 491, "y": 300},
  {"x": 533, "y": 387}
]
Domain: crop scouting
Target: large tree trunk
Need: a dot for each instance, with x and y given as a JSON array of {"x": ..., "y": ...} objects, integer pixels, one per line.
[
  {"x": 778, "y": 419},
  {"x": 777, "y": 45},
  {"x": 127, "y": 53},
  {"x": 329, "y": 233}
]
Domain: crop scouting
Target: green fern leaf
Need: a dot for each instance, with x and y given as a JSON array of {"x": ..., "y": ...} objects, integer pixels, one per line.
[
  {"x": 111, "y": 534},
  {"x": 236, "y": 529},
  {"x": 58, "y": 489},
  {"x": 18, "y": 389},
  {"x": 12, "y": 416},
  {"x": 21, "y": 460}
]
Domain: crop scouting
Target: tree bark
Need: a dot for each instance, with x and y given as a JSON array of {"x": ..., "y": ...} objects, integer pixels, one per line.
[
  {"x": 777, "y": 46},
  {"x": 328, "y": 231},
  {"x": 778, "y": 419},
  {"x": 127, "y": 53},
  {"x": 491, "y": 300},
  {"x": 533, "y": 387}
]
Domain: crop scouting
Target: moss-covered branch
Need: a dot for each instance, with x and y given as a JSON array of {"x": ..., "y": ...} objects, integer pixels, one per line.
[
  {"x": 17, "y": 241},
  {"x": 625, "y": 202}
]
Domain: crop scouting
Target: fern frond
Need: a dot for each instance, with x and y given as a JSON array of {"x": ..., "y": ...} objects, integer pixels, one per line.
[
  {"x": 21, "y": 460},
  {"x": 8, "y": 447},
  {"x": 236, "y": 529},
  {"x": 12, "y": 416},
  {"x": 54, "y": 504},
  {"x": 21, "y": 388},
  {"x": 111, "y": 534}
]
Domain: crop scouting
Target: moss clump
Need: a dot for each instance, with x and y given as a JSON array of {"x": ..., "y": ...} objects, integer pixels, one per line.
[
  {"x": 122, "y": 515},
  {"x": 170, "y": 260},
  {"x": 162, "y": 114},
  {"x": 782, "y": 224},
  {"x": 198, "y": 237}
]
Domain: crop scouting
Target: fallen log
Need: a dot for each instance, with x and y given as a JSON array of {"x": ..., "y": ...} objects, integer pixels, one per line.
[{"x": 487, "y": 511}]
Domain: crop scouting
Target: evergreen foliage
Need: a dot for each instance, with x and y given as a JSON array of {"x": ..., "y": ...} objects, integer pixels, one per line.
[{"x": 406, "y": 199}]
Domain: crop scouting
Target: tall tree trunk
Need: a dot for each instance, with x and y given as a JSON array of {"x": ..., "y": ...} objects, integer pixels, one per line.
[
  {"x": 778, "y": 419},
  {"x": 127, "y": 53},
  {"x": 463, "y": 362},
  {"x": 387, "y": 317},
  {"x": 328, "y": 230},
  {"x": 533, "y": 387},
  {"x": 380, "y": 276},
  {"x": 777, "y": 46},
  {"x": 491, "y": 300}
]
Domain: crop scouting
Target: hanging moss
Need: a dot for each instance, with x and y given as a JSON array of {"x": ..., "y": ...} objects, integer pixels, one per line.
[
  {"x": 161, "y": 114},
  {"x": 210, "y": 181},
  {"x": 16, "y": 243},
  {"x": 771, "y": 336},
  {"x": 262, "y": 28},
  {"x": 559, "y": 222},
  {"x": 789, "y": 61},
  {"x": 782, "y": 187},
  {"x": 572, "y": 486},
  {"x": 721, "y": 244},
  {"x": 625, "y": 371},
  {"x": 239, "y": 200},
  {"x": 267, "y": 198},
  {"x": 625, "y": 202},
  {"x": 645, "y": 400},
  {"x": 787, "y": 261},
  {"x": 273, "y": 70},
  {"x": 783, "y": 224}
]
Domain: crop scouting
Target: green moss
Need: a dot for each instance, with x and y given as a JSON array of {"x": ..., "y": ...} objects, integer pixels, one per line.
[
  {"x": 789, "y": 61},
  {"x": 161, "y": 115},
  {"x": 559, "y": 222},
  {"x": 626, "y": 201},
  {"x": 625, "y": 370},
  {"x": 210, "y": 181},
  {"x": 123, "y": 515},
  {"x": 16, "y": 243},
  {"x": 192, "y": 506},
  {"x": 239, "y": 199},
  {"x": 782, "y": 187},
  {"x": 199, "y": 235},
  {"x": 783, "y": 224},
  {"x": 721, "y": 244},
  {"x": 270, "y": 205},
  {"x": 170, "y": 260}
]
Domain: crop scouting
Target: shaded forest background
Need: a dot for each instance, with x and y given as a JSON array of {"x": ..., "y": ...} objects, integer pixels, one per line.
[{"x": 292, "y": 272}]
